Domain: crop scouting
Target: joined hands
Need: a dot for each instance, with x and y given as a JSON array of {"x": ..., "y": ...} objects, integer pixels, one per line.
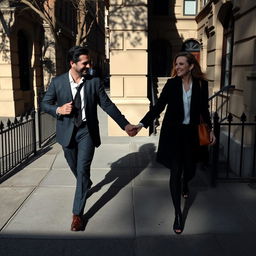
[{"x": 132, "y": 129}]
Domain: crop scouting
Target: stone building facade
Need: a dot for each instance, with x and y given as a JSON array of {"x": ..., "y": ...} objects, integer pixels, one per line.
[
  {"x": 144, "y": 37},
  {"x": 221, "y": 33},
  {"x": 30, "y": 54},
  {"x": 141, "y": 37},
  {"x": 20, "y": 55},
  {"x": 227, "y": 33}
]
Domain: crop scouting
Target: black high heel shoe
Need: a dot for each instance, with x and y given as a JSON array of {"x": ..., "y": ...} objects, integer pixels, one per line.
[{"x": 178, "y": 225}]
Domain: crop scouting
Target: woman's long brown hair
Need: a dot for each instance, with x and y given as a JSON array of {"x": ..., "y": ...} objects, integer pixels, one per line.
[{"x": 196, "y": 71}]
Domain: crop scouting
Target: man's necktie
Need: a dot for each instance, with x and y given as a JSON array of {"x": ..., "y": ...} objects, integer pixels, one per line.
[{"x": 77, "y": 107}]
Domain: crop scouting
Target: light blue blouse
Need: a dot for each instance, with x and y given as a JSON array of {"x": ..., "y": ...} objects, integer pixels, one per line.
[{"x": 186, "y": 103}]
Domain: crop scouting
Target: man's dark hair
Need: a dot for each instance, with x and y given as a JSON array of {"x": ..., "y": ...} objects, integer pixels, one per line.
[{"x": 75, "y": 52}]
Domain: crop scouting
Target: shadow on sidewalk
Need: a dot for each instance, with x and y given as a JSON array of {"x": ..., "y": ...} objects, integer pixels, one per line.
[
  {"x": 127, "y": 168},
  {"x": 27, "y": 161},
  {"x": 122, "y": 172},
  {"x": 200, "y": 183}
]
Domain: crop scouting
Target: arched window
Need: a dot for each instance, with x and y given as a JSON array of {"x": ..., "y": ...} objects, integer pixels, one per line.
[
  {"x": 192, "y": 46},
  {"x": 24, "y": 61}
]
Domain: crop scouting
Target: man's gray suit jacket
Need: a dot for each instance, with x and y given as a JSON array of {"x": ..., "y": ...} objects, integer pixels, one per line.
[{"x": 59, "y": 93}]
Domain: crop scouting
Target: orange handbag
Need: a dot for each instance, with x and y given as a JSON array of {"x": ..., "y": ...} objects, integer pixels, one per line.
[
  {"x": 204, "y": 133},
  {"x": 203, "y": 130}
]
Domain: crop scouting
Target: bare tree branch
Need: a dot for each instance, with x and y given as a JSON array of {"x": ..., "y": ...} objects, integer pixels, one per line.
[
  {"x": 83, "y": 7},
  {"x": 34, "y": 8},
  {"x": 46, "y": 10},
  {"x": 88, "y": 30},
  {"x": 43, "y": 9}
]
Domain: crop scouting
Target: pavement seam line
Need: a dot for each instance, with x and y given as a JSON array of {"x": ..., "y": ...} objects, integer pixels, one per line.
[
  {"x": 17, "y": 210},
  {"x": 50, "y": 169},
  {"x": 131, "y": 150},
  {"x": 134, "y": 223},
  {"x": 26, "y": 198}
]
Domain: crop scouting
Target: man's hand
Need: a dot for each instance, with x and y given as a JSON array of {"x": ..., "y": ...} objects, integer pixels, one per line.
[
  {"x": 65, "y": 109},
  {"x": 138, "y": 127},
  {"x": 131, "y": 129}
]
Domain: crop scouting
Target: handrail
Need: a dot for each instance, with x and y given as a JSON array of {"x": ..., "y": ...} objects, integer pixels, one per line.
[
  {"x": 223, "y": 106},
  {"x": 225, "y": 88}
]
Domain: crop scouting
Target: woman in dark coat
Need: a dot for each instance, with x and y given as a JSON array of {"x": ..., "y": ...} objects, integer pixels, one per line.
[{"x": 186, "y": 97}]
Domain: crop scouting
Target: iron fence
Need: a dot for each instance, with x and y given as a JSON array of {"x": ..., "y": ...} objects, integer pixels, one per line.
[
  {"x": 233, "y": 155},
  {"x": 232, "y": 158},
  {"x": 22, "y": 138},
  {"x": 46, "y": 127},
  {"x": 18, "y": 141},
  {"x": 219, "y": 102}
]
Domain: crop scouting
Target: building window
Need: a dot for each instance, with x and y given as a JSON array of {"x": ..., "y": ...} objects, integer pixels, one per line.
[
  {"x": 191, "y": 46},
  {"x": 190, "y": 7},
  {"x": 227, "y": 53}
]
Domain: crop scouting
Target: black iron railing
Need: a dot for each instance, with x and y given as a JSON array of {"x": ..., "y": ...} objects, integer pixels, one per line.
[
  {"x": 18, "y": 141},
  {"x": 46, "y": 127},
  {"x": 233, "y": 155},
  {"x": 219, "y": 102},
  {"x": 22, "y": 138},
  {"x": 46, "y": 123}
]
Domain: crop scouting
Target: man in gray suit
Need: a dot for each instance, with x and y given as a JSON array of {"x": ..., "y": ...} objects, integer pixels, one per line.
[{"x": 73, "y": 98}]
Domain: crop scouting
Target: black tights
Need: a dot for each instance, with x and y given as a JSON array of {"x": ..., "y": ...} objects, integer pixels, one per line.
[
  {"x": 175, "y": 188},
  {"x": 183, "y": 164},
  {"x": 179, "y": 178}
]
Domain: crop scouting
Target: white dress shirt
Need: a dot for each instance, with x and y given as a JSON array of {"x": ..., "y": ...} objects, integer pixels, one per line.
[
  {"x": 74, "y": 86},
  {"x": 186, "y": 103}
]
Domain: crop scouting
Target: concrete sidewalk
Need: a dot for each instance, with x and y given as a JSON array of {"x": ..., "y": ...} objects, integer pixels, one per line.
[{"x": 130, "y": 208}]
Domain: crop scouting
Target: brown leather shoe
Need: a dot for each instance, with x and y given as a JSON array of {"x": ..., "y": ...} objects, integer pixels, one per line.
[{"x": 77, "y": 223}]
